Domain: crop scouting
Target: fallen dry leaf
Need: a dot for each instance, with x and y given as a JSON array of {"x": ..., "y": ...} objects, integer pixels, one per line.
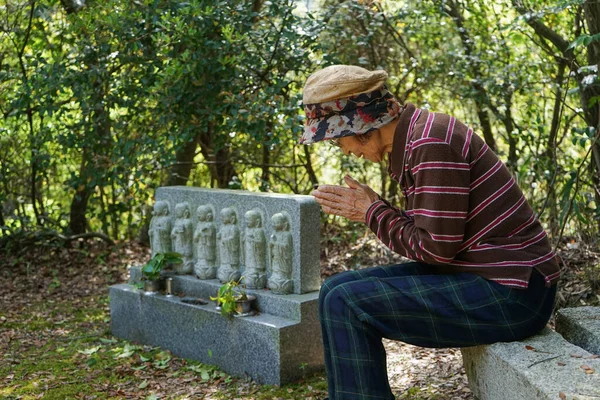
[
  {"x": 561, "y": 364},
  {"x": 562, "y": 396},
  {"x": 588, "y": 370}
]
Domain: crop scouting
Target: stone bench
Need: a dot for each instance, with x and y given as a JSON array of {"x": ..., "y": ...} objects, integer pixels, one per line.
[{"x": 545, "y": 366}]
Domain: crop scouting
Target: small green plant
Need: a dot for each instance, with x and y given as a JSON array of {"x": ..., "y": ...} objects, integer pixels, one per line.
[
  {"x": 228, "y": 295},
  {"x": 151, "y": 271}
]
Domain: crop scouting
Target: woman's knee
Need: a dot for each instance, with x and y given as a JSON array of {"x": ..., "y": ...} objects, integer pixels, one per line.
[
  {"x": 336, "y": 280},
  {"x": 334, "y": 302}
]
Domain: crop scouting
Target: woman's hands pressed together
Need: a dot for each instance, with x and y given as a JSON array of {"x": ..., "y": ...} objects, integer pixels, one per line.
[{"x": 351, "y": 202}]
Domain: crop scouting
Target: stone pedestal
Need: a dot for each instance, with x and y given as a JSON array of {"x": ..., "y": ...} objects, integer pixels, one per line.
[{"x": 279, "y": 345}]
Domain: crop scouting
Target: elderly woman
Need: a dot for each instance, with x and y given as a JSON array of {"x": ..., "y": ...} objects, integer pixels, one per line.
[{"x": 483, "y": 269}]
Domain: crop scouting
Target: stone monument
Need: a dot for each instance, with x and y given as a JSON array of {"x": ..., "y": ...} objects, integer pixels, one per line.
[
  {"x": 205, "y": 242},
  {"x": 270, "y": 239}
]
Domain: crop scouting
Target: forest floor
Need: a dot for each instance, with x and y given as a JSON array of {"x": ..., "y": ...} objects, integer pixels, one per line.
[{"x": 56, "y": 343}]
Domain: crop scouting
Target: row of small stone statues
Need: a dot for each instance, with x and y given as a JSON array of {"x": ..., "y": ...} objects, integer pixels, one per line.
[{"x": 178, "y": 235}]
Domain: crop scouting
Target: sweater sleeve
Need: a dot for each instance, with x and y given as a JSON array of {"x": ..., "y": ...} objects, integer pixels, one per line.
[{"x": 433, "y": 227}]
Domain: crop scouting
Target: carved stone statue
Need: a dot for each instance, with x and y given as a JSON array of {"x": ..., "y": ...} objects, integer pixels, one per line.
[
  {"x": 229, "y": 246},
  {"x": 181, "y": 235},
  {"x": 255, "y": 245},
  {"x": 205, "y": 240},
  {"x": 160, "y": 228},
  {"x": 282, "y": 251}
]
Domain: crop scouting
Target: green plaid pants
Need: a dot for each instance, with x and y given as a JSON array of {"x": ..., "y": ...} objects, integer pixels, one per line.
[{"x": 412, "y": 304}]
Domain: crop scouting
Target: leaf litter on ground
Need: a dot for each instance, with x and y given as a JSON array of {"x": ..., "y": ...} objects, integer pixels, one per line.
[{"x": 56, "y": 341}]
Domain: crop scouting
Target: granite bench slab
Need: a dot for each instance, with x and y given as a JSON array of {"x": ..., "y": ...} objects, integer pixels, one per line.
[
  {"x": 580, "y": 326},
  {"x": 543, "y": 367}
]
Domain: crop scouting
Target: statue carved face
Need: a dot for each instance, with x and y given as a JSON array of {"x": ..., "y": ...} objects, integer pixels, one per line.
[
  {"x": 228, "y": 216},
  {"x": 279, "y": 222},
  {"x": 161, "y": 208},
  {"x": 182, "y": 210},
  {"x": 204, "y": 213},
  {"x": 253, "y": 219}
]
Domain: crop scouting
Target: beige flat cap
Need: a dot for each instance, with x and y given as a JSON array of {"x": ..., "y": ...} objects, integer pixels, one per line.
[{"x": 340, "y": 81}]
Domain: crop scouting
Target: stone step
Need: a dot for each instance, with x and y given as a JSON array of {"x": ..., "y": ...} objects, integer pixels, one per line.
[
  {"x": 542, "y": 367},
  {"x": 287, "y": 306},
  {"x": 580, "y": 326}
]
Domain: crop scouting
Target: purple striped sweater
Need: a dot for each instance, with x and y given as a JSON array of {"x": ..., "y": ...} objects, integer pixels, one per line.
[{"x": 463, "y": 209}]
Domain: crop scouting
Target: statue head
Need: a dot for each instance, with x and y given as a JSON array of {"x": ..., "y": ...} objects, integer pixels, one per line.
[
  {"x": 161, "y": 208},
  {"x": 182, "y": 210},
  {"x": 204, "y": 213},
  {"x": 228, "y": 216},
  {"x": 280, "y": 222},
  {"x": 253, "y": 219}
]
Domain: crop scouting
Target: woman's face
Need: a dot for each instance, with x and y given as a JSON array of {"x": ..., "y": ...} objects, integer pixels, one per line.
[{"x": 372, "y": 150}]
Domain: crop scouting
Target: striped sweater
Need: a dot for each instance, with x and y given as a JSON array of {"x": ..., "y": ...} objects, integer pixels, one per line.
[{"x": 463, "y": 209}]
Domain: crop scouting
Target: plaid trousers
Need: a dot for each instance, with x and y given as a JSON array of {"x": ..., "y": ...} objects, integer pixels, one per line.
[{"x": 413, "y": 304}]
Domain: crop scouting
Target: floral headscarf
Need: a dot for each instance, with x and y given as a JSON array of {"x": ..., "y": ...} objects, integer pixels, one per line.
[{"x": 355, "y": 115}]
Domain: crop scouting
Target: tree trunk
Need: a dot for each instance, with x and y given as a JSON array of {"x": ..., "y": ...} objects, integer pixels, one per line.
[
  {"x": 486, "y": 126},
  {"x": 481, "y": 97},
  {"x": 220, "y": 164},
  {"x": 78, "y": 221},
  {"x": 312, "y": 176},
  {"x": 384, "y": 177},
  {"x": 507, "y": 120},
  {"x": 94, "y": 159},
  {"x": 29, "y": 112},
  {"x": 266, "y": 172},
  {"x": 553, "y": 219},
  {"x": 589, "y": 94},
  {"x": 225, "y": 169},
  {"x": 179, "y": 172},
  {"x": 392, "y": 193}
]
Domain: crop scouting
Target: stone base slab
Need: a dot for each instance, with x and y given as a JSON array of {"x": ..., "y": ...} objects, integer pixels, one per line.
[
  {"x": 267, "y": 348},
  {"x": 538, "y": 368}
]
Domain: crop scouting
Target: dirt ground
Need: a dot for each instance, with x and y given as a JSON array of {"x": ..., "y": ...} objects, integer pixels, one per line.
[{"x": 55, "y": 334}]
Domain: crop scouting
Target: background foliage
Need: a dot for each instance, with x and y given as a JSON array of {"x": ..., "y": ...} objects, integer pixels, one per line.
[{"x": 103, "y": 101}]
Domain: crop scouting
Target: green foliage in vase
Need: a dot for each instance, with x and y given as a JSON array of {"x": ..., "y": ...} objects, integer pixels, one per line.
[
  {"x": 151, "y": 271},
  {"x": 228, "y": 295}
]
